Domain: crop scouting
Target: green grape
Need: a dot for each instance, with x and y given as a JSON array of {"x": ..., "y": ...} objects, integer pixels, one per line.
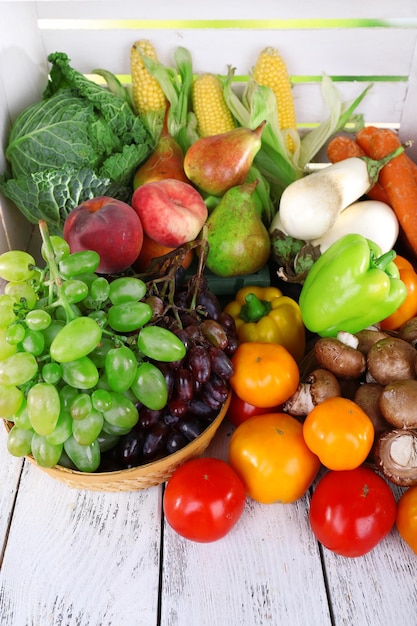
[
  {"x": 16, "y": 265},
  {"x": 120, "y": 366},
  {"x": 79, "y": 263},
  {"x": 75, "y": 340},
  {"x": 126, "y": 289},
  {"x": 14, "y": 333},
  {"x": 22, "y": 291},
  {"x": 160, "y": 344},
  {"x": 112, "y": 430},
  {"x": 7, "y": 314},
  {"x": 100, "y": 317},
  {"x": 60, "y": 246},
  {"x": 81, "y": 406},
  {"x": 51, "y": 373},
  {"x": 6, "y": 347},
  {"x": 21, "y": 417},
  {"x": 11, "y": 399},
  {"x": 98, "y": 355},
  {"x": 150, "y": 387},
  {"x": 101, "y": 399},
  {"x": 33, "y": 342},
  {"x": 62, "y": 430},
  {"x": 99, "y": 289},
  {"x": 44, "y": 407},
  {"x": 85, "y": 458},
  {"x": 81, "y": 373},
  {"x": 51, "y": 331},
  {"x": 65, "y": 461},
  {"x": 19, "y": 441},
  {"x": 66, "y": 395},
  {"x": 45, "y": 454},
  {"x": 38, "y": 319},
  {"x": 106, "y": 441},
  {"x": 61, "y": 314},
  {"x": 122, "y": 413},
  {"x": 74, "y": 290},
  {"x": 129, "y": 316},
  {"x": 87, "y": 430},
  {"x": 18, "y": 369}
]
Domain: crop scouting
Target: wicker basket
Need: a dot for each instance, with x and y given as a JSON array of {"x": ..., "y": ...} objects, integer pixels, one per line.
[{"x": 136, "y": 478}]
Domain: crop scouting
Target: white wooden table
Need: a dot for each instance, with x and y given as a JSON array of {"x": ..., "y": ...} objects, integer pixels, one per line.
[{"x": 81, "y": 558}]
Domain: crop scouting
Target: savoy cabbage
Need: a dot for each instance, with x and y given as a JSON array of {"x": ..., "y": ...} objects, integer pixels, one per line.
[{"x": 78, "y": 142}]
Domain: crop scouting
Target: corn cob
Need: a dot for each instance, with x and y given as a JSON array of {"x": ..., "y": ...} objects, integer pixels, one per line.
[
  {"x": 212, "y": 113},
  {"x": 147, "y": 94},
  {"x": 271, "y": 71}
]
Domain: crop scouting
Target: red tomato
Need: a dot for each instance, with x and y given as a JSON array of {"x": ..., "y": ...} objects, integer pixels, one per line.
[
  {"x": 204, "y": 499},
  {"x": 351, "y": 511},
  {"x": 239, "y": 410}
]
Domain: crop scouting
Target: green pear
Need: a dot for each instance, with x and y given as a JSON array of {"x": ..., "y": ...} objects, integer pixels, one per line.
[
  {"x": 215, "y": 164},
  {"x": 239, "y": 243}
]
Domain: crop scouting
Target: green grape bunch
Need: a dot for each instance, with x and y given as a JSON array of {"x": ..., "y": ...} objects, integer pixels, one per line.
[
  {"x": 74, "y": 364},
  {"x": 68, "y": 370}
]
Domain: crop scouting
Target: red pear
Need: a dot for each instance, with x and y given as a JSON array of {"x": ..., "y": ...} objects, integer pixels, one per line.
[
  {"x": 215, "y": 164},
  {"x": 165, "y": 161}
]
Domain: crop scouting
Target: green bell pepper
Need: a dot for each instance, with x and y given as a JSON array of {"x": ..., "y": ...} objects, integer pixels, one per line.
[{"x": 350, "y": 287}]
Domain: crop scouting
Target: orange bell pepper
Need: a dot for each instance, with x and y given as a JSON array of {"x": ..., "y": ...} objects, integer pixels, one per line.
[{"x": 408, "y": 308}]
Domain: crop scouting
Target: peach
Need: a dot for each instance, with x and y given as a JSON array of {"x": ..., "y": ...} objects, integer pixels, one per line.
[
  {"x": 108, "y": 226},
  {"x": 172, "y": 212}
]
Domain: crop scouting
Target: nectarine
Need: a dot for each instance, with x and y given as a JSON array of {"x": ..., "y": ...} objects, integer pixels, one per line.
[
  {"x": 108, "y": 226},
  {"x": 151, "y": 250},
  {"x": 172, "y": 212}
]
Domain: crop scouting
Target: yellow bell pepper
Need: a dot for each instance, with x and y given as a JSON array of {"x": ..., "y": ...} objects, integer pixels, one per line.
[{"x": 265, "y": 315}]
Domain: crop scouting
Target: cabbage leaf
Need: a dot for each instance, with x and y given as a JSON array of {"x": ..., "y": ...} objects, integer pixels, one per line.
[{"x": 79, "y": 141}]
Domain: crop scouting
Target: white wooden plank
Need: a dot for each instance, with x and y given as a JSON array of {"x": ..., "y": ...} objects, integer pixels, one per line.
[
  {"x": 234, "y": 9},
  {"x": 10, "y": 469},
  {"x": 80, "y": 558},
  {"x": 252, "y": 575},
  {"x": 379, "y": 588},
  {"x": 351, "y": 52}
]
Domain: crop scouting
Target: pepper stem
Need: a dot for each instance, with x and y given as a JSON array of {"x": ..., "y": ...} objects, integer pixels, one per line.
[
  {"x": 381, "y": 262},
  {"x": 254, "y": 309},
  {"x": 374, "y": 167}
]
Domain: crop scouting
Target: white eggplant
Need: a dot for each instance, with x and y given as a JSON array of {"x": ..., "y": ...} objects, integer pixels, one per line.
[
  {"x": 310, "y": 205},
  {"x": 370, "y": 218}
]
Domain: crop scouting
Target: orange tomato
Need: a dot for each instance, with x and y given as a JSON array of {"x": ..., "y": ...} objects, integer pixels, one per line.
[
  {"x": 151, "y": 250},
  {"x": 269, "y": 454},
  {"x": 265, "y": 374},
  {"x": 340, "y": 433},
  {"x": 407, "y": 517},
  {"x": 408, "y": 309}
]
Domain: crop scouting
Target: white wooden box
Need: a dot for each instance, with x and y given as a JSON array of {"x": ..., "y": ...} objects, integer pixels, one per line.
[{"x": 354, "y": 42}]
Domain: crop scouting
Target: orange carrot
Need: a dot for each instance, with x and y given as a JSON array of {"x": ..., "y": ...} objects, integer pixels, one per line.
[
  {"x": 340, "y": 148},
  {"x": 364, "y": 139},
  {"x": 398, "y": 182}
]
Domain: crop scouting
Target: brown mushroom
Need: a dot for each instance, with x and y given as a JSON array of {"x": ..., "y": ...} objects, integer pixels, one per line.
[
  {"x": 319, "y": 385},
  {"x": 368, "y": 396},
  {"x": 395, "y": 454},
  {"x": 398, "y": 403},
  {"x": 367, "y": 338},
  {"x": 408, "y": 331},
  {"x": 391, "y": 359},
  {"x": 342, "y": 360}
]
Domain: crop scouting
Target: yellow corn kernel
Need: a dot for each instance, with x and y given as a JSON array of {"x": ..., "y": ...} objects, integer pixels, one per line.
[
  {"x": 212, "y": 113},
  {"x": 271, "y": 71},
  {"x": 147, "y": 94}
]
